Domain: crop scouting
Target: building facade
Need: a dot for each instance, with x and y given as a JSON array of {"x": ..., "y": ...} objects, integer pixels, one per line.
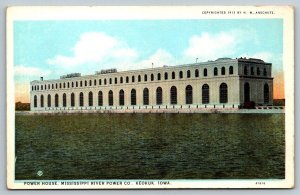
[{"x": 223, "y": 83}]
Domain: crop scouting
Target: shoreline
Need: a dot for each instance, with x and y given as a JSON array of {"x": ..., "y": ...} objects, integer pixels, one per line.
[{"x": 258, "y": 110}]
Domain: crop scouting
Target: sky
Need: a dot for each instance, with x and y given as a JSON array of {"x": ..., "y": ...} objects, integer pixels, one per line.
[{"x": 54, "y": 48}]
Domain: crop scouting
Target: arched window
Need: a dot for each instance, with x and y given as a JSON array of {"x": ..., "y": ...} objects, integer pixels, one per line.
[
  {"x": 105, "y": 81},
  {"x": 252, "y": 70},
  {"x": 166, "y": 76},
  {"x": 35, "y": 101},
  {"x": 64, "y": 100},
  {"x": 152, "y": 77},
  {"x": 116, "y": 80},
  {"x": 133, "y": 97},
  {"x": 121, "y": 97},
  {"x": 80, "y": 83},
  {"x": 110, "y": 98},
  {"x": 266, "y": 93},
  {"x": 49, "y": 100},
  {"x": 173, "y": 75},
  {"x": 173, "y": 95},
  {"x": 231, "y": 70},
  {"x": 159, "y": 95},
  {"x": 55, "y": 86},
  {"x": 139, "y": 78},
  {"x": 196, "y": 73},
  {"x": 60, "y": 85},
  {"x": 223, "y": 70},
  {"x": 205, "y": 94},
  {"x": 90, "y": 82},
  {"x": 110, "y": 81},
  {"x": 188, "y": 74},
  {"x": 215, "y": 71},
  {"x": 223, "y": 93},
  {"x": 189, "y": 94},
  {"x": 72, "y": 84},
  {"x": 205, "y": 72},
  {"x": 56, "y": 100},
  {"x": 146, "y": 96},
  {"x": 121, "y": 79},
  {"x": 68, "y": 85},
  {"x": 132, "y": 79},
  {"x": 41, "y": 87},
  {"x": 76, "y": 83},
  {"x": 245, "y": 70},
  {"x": 90, "y": 98},
  {"x": 95, "y": 82},
  {"x": 37, "y": 87},
  {"x": 32, "y": 88},
  {"x": 85, "y": 83},
  {"x": 180, "y": 74},
  {"x": 158, "y": 76},
  {"x": 258, "y": 71},
  {"x": 265, "y": 72},
  {"x": 100, "y": 98},
  {"x": 145, "y": 78},
  {"x": 81, "y": 99},
  {"x": 247, "y": 92},
  {"x": 42, "y": 101},
  {"x": 127, "y": 79},
  {"x": 100, "y": 82},
  {"x": 72, "y": 99}
]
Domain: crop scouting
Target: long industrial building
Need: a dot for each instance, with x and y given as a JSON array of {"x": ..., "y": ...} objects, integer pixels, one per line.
[{"x": 224, "y": 84}]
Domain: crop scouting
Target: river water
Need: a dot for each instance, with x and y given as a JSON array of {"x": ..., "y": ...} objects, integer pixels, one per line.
[{"x": 150, "y": 146}]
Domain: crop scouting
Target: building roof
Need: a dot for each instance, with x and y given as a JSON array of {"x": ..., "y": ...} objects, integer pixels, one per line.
[{"x": 219, "y": 61}]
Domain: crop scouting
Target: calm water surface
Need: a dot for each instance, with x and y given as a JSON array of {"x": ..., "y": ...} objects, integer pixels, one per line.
[{"x": 150, "y": 146}]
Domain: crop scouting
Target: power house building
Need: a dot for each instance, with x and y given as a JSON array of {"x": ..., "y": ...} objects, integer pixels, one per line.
[{"x": 223, "y": 83}]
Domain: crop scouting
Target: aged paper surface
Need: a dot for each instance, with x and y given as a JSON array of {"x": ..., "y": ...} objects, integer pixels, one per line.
[{"x": 150, "y": 97}]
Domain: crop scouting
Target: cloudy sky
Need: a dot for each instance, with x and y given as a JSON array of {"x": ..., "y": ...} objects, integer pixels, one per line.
[{"x": 53, "y": 48}]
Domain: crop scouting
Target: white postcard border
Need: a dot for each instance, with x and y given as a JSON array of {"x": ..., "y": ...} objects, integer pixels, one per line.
[{"x": 144, "y": 13}]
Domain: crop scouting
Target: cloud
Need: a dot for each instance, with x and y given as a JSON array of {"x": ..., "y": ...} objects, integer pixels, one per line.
[
  {"x": 95, "y": 47},
  {"x": 21, "y": 70},
  {"x": 98, "y": 50},
  {"x": 207, "y": 46},
  {"x": 211, "y": 46}
]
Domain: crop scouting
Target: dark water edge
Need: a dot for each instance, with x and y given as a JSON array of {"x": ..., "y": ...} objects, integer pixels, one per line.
[{"x": 150, "y": 146}]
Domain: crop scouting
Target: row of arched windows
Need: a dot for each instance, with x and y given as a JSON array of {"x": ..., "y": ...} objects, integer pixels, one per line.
[
  {"x": 159, "y": 97},
  {"x": 223, "y": 71},
  {"x": 252, "y": 71},
  {"x": 128, "y": 79},
  {"x": 223, "y": 96}
]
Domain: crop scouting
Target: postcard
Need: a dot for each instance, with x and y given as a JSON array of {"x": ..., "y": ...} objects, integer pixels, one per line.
[{"x": 150, "y": 97}]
